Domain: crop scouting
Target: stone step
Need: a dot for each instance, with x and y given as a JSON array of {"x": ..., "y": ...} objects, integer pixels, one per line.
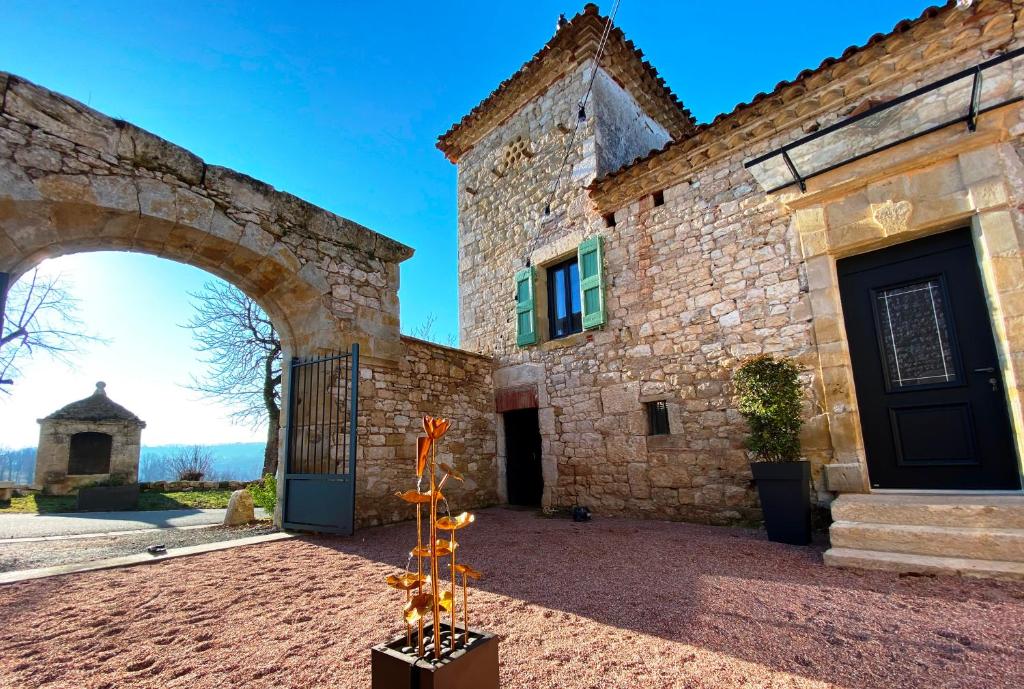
[
  {"x": 981, "y": 511},
  {"x": 923, "y": 564},
  {"x": 985, "y": 543}
]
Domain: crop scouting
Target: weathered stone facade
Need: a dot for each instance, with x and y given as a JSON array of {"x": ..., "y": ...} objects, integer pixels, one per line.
[
  {"x": 704, "y": 268},
  {"x": 86, "y": 442},
  {"x": 394, "y": 396}
]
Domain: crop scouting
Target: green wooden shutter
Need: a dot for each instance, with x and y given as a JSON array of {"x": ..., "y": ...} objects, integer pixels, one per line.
[
  {"x": 591, "y": 266},
  {"x": 526, "y": 328}
]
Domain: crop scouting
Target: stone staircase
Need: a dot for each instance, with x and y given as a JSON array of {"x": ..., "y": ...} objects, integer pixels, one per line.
[{"x": 970, "y": 535}]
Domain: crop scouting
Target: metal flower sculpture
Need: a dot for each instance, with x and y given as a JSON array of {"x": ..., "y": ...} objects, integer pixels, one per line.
[{"x": 425, "y": 594}]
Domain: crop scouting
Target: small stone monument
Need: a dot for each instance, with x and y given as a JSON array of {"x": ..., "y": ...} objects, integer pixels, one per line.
[
  {"x": 88, "y": 441},
  {"x": 241, "y": 509}
]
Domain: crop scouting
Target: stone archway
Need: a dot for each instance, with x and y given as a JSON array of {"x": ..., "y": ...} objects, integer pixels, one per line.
[{"x": 73, "y": 179}]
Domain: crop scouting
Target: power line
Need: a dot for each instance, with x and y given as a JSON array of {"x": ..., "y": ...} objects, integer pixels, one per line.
[{"x": 581, "y": 113}]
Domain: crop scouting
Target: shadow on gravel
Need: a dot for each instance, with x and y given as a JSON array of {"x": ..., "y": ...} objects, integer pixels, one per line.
[{"x": 733, "y": 591}]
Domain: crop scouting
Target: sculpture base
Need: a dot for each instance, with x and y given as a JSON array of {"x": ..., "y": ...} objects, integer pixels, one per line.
[{"x": 474, "y": 666}]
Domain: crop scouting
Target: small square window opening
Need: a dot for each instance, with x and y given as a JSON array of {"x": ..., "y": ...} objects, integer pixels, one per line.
[
  {"x": 657, "y": 418},
  {"x": 659, "y": 198}
]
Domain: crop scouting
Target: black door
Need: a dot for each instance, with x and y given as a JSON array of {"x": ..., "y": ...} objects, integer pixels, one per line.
[
  {"x": 932, "y": 404},
  {"x": 522, "y": 457}
]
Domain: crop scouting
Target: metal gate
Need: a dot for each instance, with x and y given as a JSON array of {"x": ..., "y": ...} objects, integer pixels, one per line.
[{"x": 320, "y": 443}]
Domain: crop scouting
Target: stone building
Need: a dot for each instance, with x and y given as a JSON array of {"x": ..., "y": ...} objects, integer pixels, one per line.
[
  {"x": 94, "y": 439},
  {"x": 618, "y": 260}
]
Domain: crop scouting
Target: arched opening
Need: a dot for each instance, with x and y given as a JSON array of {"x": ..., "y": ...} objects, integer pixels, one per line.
[{"x": 175, "y": 351}]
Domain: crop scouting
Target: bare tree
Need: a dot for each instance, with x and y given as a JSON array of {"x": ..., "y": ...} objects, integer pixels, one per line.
[
  {"x": 39, "y": 316},
  {"x": 191, "y": 463},
  {"x": 243, "y": 357},
  {"x": 425, "y": 331}
]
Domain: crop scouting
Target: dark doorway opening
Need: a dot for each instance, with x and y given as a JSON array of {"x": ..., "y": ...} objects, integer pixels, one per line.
[
  {"x": 931, "y": 395},
  {"x": 522, "y": 458},
  {"x": 90, "y": 453}
]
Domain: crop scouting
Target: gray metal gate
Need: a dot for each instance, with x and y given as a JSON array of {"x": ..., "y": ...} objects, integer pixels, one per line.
[{"x": 320, "y": 443}]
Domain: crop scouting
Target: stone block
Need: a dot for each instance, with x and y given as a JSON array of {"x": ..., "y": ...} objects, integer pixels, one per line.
[
  {"x": 241, "y": 509},
  {"x": 617, "y": 399},
  {"x": 845, "y": 478},
  {"x": 61, "y": 115}
]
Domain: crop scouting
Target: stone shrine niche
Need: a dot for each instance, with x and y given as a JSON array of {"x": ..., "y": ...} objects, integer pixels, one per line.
[
  {"x": 90, "y": 453},
  {"x": 86, "y": 442}
]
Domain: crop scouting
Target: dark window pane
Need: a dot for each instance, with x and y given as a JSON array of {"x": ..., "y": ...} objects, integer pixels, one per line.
[
  {"x": 564, "y": 314},
  {"x": 657, "y": 417},
  {"x": 560, "y": 307},
  {"x": 574, "y": 288},
  {"x": 915, "y": 339}
]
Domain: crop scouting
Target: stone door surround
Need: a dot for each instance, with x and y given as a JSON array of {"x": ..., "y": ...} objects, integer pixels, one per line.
[{"x": 939, "y": 182}]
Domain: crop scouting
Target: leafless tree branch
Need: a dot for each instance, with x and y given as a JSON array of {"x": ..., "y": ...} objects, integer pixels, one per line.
[
  {"x": 242, "y": 354},
  {"x": 40, "y": 316}
]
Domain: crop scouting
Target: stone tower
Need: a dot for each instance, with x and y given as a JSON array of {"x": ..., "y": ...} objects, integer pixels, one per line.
[
  {"x": 91, "y": 440},
  {"x": 528, "y": 151},
  {"x": 537, "y": 262}
]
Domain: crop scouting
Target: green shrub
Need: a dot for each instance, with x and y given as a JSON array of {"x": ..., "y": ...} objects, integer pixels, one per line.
[
  {"x": 769, "y": 399},
  {"x": 264, "y": 492}
]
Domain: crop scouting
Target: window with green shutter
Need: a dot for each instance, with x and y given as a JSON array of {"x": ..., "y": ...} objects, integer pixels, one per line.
[
  {"x": 526, "y": 327},
  {"x": 591, "y": 266}
]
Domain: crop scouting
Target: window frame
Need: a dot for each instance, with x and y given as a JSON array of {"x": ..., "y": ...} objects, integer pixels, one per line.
[
  {"x": 562, "y": 270},
  {"x": 657, "y": 418}
]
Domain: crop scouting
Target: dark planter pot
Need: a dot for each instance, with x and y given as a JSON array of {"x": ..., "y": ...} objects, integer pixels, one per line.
[
  {"x": 109, "y": 497},
  {"x": 785, "y": 492},
  {"x": 474, "y": 667}
]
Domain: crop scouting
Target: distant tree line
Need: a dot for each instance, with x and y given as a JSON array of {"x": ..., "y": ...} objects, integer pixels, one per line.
[
  {"x": 17, "y": 465},
  {"x": 167, "y": 464}
]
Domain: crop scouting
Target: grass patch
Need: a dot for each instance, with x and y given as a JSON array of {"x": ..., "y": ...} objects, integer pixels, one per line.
[{"x": 148, "y": 500}]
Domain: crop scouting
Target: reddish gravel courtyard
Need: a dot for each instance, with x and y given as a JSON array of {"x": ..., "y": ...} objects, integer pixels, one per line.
[{"x": 613, "y": 603}]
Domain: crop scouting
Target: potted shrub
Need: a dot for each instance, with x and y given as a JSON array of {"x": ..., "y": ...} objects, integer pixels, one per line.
[
  {"x": 770, "y": 397},
  {"x": 115, "y": 493}
]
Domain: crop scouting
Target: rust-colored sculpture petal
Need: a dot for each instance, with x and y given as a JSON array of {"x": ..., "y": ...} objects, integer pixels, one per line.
[
  {"x": 445, "y": 600},
  {"x": 443, "y": 549},
  {"x": 404, "y": 582},
  {"x": 468, "y": 571},
  {"x": 416, "y": 497},
  {"x": 423, "y": 444},
  {"x": 451, "y": 523},
  {"x": 451, "y": 471},
  {"x": 435, "y": 428},
  {"x": 418, "y": 607}
]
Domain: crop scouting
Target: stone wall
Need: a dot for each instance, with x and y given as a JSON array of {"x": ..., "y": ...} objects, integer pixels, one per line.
[
  {"x": 431, "y": 380},
  {"x": 73, "y": 179},
  {"x": 693, "y": 285}
]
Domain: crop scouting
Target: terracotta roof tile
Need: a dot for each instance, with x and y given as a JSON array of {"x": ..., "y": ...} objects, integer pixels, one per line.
[{"x": 734, "y": 118}]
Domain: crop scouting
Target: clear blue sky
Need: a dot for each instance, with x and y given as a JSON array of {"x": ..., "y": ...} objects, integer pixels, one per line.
[{"x": 340, "y": 103}]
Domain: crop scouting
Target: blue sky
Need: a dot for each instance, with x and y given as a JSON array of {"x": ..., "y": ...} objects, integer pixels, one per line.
[{"x": 340, "y": 103}]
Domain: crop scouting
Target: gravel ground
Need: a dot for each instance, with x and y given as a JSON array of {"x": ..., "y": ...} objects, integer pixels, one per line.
[
  {"x": 32, "y": 554},
  {"x": 613, "y": 603}
]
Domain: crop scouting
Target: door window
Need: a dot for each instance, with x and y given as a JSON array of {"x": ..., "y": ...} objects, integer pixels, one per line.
[{"x": 914, "y": 333}]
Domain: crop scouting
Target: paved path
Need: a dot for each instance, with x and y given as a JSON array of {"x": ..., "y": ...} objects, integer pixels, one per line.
[{"x": 37, "y": 525}]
